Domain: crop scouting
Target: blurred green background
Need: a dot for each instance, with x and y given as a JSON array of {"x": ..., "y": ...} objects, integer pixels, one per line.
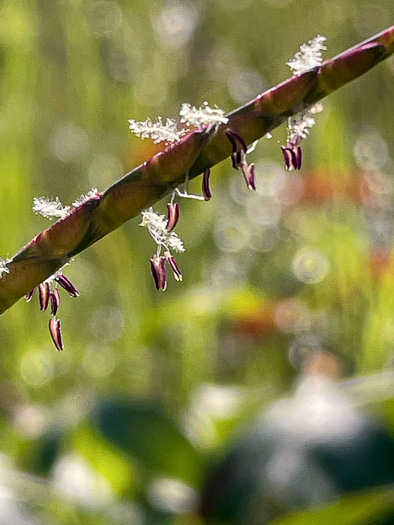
[{"x": 122, "y": 427}]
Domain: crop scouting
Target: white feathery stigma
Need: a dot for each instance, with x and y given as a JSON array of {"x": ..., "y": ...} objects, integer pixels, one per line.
[
  {"x": 50, "y": 209},
  {"x": 170, "y": 131},
  {"x": 309, "y": 56},
  {"x": 83, "y": 198},
  {"x": 159, "y": 132},
  {"x": 202, "y": 116},
  {"x": 300, "y": 124},
  {"x": 3, "y": 267},
  {"x": 156, "y": 225}
]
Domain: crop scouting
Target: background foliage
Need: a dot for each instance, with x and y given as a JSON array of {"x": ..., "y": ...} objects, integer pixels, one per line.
[{"x": 269, "y": 279}]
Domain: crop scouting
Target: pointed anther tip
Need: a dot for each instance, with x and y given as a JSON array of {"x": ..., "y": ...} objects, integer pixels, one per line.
[
  {"x": 67, "y": 285},
  {"x": 163, "y": 274},
  {"x": 29, "y": 295},
  {"x": 173, "y": 216},
  {"x": 159, "y": 272},
  {"x": 287, "y": 158},
  {"x": 174, "y": 266},
  {"x": 237, "y": 141},
  {"x": 155, "y": 271},
  {"x": 292, "y": 155},
  {"x": 249, "y": 175},
  {"x": 206, "y": 190},
  {"x": 239, "y": 148},
  {"x": 43, "y": 295},
  {"x": 298, "y": 154},
  {"x": 55, "y": 329},
  {"x": 55, "y": 301}
]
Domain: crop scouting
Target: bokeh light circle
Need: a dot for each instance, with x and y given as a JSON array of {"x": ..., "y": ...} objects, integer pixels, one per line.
[{"x": 310, "y": 265}]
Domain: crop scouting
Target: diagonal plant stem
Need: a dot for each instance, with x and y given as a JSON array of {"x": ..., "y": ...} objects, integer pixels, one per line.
[{"x": 195, "y": 153}]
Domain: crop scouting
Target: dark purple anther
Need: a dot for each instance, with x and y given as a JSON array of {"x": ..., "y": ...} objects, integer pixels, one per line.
[
  {"x": 249, "y": 174},
  {"x": 287, "y": 157},
  {"x": 67, "y": 285},
  {"x": 43, "y": 295},
  {"x": 159, "y": 271},
  {"x": 55, "y": 301},
  {"x": 55, "y": 329},
  {"x": 236, "y": 159},
  {"x": 205, "y": 185},
  {"x": 239, "y": 147},
  {"x": 173, "y": 216},
  {"x": 298, "y": 153},
  {"x": 163, "y": 274},
  {"x": 155, "y": 267},
  {"x": 293, "y": 156},
  {"x": 236, "y": 140},
  {"x": 29, "y": 295},
  {"x": 174, "y": 266}
]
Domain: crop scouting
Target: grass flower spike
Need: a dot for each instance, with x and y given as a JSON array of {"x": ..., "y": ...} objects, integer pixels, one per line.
[
  {"x": 48, "y": 294},
  {"x": 309, "y": 56},
  {"x": 192, "y": 152},
  {"x": 161, "y": 232}
]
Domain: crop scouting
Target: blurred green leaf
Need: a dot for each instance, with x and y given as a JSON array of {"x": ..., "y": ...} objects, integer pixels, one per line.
[
  {"x": 155, "y": 443},
  {"x": 105, "y": 458},
  {"x": 363, "y": 508}
]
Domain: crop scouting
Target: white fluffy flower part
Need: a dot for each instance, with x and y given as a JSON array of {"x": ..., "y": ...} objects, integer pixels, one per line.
[
  {"x": 3, "y": 267},
  {"x": 156, "y": 225},
  {"x": 50, "y": 209},
  {"x": 309, "y": 56},
  {"x": 158, "y": 131},
  {"x": 202, "y": 116},
  {"x": 300, "y": 124},
  {"x": 83, "y": 198}
]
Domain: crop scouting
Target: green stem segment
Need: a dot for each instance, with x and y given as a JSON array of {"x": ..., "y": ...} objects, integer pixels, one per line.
[{"x": 191, "y": 156}]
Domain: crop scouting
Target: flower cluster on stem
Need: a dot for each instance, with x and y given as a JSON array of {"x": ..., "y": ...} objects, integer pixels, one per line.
[
  {"x": 161, "y": 228},
  {"x": 49, "y": 297},
  {"x": 48, "y": 291},
  {"x": 161, "y": 231},
  {"x": 309, "y": 56}
]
